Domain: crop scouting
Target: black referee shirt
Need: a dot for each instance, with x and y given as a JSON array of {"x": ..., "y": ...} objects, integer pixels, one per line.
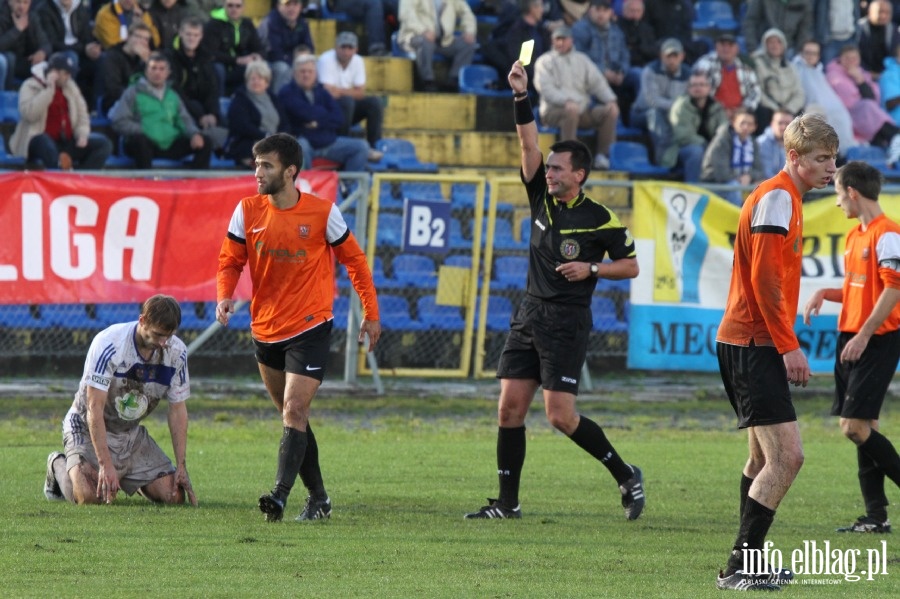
[{"x": 582, "y": 230}]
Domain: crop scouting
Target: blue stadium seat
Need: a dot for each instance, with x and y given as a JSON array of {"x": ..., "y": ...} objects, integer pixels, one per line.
[
  {"x": 481, "y": 80},
  {"x": 67, "y": 316},
  {"x": 632, "y": 157},
  {"x": 400, "y": 155},
  {"x": 390, "y": 230},
  {"x": 399, "y": 52},
  {"x": 197, "y": 317},
  {"x": 240, "y": 320},
  {"x": 499, "y": 311},
  {"x": 422, "y": 190},
  {"x": 875, "y": 156},
  {"x": 613, "y": 286},
  {"x": 17, "y": 316},
  {"x": 390, "y": 195},
  {"x": 394, "y": 313},
  {"x": 443, "y": 318},
  {"x": 7, "y": 160},
  {"x": 341, "y": 309},
  {"x": 109, "y": 314},
  {"x": 510, "y": 272},
  {"x": 503, "y": 236},
  {"x": 555, "y": 130},
  {"x": 98, "y": 117},
  {"x": 459, "y": 261},
  {"x": 414, "y": 270},
  {"x": 714, "y": 15},
  {"x": 525, "y": 230},
  {"x": 458, "y": 241},
  {"x": 9, "y": 106},
  {"x": 605, "y": 316}
]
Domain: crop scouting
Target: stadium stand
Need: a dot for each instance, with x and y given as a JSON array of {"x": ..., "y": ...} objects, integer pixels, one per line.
[{"x": 481, "y": 80}]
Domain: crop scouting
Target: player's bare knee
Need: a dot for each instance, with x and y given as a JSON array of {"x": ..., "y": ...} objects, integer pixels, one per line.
[{"x": 856, "y": 430}]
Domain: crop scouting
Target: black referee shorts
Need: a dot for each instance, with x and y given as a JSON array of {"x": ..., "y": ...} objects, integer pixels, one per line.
[
  {"x": 860, "y": 386},
  {"x": 548, "y": 343},
  {"x": 756, "y": 382}
]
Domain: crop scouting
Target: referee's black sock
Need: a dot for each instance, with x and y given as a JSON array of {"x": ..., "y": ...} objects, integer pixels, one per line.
[
  {"x": 590, "y": 437},
  {"x": 755, "y": 522},
  {"x": 510, "y": 459},
  {"x": 290, "y": 456},
  {"x": 879, "y": 448},
  {"x": 310, "y": 473},
  {"x": 871, "y": 483},
  {"x": 746, "y": 482}
]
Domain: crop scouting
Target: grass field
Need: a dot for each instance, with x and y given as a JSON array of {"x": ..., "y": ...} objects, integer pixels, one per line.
[{"x": 401, "y": 472}]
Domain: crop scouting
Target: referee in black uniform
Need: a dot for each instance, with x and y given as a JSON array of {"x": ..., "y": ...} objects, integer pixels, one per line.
[{"x": 547, "y": 343}]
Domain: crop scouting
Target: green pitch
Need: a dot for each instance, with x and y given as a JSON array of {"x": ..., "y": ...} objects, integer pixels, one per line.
[{"x": 401, "y": 473}]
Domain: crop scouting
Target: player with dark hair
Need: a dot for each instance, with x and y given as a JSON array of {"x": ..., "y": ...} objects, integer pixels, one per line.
[
  {"x": 868, "y": 347},
  {"x": 130, "y": 368},
  {"x": 547, "y": 342},
  {"x": 758, "y": 352},
  {"x": 286, "y": 239}
]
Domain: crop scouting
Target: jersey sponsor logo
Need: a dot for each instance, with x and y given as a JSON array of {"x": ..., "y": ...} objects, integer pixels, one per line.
[
  {"x": 101, "y": 380},
  {"x": 569, "y": 248},
  {"x": 131, "y": 406},
  {"x": 865, "y": 254},
  {"x": 257, "y": 229},
  {"x": 279, "y": 254},
  {"x": 303, "y": 231}
]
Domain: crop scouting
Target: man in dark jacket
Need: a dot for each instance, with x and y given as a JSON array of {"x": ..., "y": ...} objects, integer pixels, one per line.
[
  {"x": 67, "y": 24},
  {"x": 506, "y": 42},
  {"x": 283, "y": 31},
  {"x": 234, "y": 43},
  {"x": 23, "y": 41},
  {"x": 123, "y": 63}
]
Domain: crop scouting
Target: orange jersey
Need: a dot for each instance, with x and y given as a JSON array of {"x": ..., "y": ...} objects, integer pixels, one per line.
[
  {"x": 765, "y": 280},
  {"x": 288, "y": 253},
  {"x": 870, "y": 261}
]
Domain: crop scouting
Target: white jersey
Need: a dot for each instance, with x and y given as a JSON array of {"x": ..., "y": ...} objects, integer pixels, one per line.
[{"x": 134, "y": 385}]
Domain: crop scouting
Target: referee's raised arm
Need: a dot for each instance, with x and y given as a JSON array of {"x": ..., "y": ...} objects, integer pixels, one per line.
[{"x": 525, "y": 125}]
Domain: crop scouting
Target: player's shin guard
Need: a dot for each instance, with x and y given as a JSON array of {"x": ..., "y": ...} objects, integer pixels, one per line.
[
  {"x": 755, "y": 522},
  {"x": 290, "y": 457},
  {"x": 310, "y": 473},
  {"x": 746, "y": 483},
  {"x": 510, "y": 459},
  {"x": 880, "y": 449},
  {"x": 871, "y": 484},
  {"x": 590, "y": 437}
]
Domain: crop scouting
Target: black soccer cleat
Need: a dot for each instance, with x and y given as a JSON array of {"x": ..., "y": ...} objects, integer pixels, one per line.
[
  {"x": 272, "y": 507},
  {"x": 867, "y": 524},
  {"x": 741, "y": 581},
  {"x": 315, "y": 509},
  {"x": 495, "y": 511},
  {"x": 633, "y": 494}
]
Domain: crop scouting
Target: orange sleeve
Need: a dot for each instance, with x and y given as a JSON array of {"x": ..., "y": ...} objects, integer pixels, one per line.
[
  {"x": 351, "y": 255},
  {"x": 232, "y": 258},
  {"x": 768, "y": 285}
]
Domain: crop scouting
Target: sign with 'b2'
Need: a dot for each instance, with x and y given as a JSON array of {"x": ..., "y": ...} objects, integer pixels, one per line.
[{"x": 426, "y": 226}]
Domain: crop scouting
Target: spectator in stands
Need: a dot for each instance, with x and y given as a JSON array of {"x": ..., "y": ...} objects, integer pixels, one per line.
[
  {"x": 315, "y": 117},
  {"x": 821, "y": 97},
  {"x": 195, "y": 80},
  {"x": 234, "y": 43},
  {"x": 343, "y": 74},
  {"x": 114, "y": 20},
  {"x": 861, "y": 95},
  {"x": 662, "y": 81},
  {"x": 122, "y": 62},
  {"x": 167, "y": 16},
  {"x": 283, "y": 31},
  {"x": 255, "y": 112},
  {"x": 734, "y": 83},
  {"x": 423, "y": 33},
  {"x": 506, "y": 42},
  {"x": 793, "y": 17},
  {"x": 675, "y": 18},
  {"x": 155, "y": 123},
  {"x": 835, "y": 25},
  {"x": 596, "y": 35},
  {"x": 876, "y": 36},
  {"x": 695, "y": 117},
  {"x": 640, "y": 37},
  {"x": 371, "y": 14},
  {"x": 732, "y": 156},
  {"x": 574, "y": 93},
  {"x": 779, "y": 83},
  {"x": 67, "y": 24},
  {"x": 55, "y": 126},
  {"x": 23, "y": 41},
  {"x": 771, "y": 143}
]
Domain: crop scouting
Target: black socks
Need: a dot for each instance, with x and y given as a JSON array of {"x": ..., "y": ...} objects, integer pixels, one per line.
[
  {"x": 290, "y": 457},
  {"x": 310, "y": 473},
  {"x": 755, "y": 522},
  {"x": 590, "y": 437},
  {"x": 510, "y": 458}
]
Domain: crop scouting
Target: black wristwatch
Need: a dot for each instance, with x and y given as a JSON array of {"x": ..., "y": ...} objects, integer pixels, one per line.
[{"x": 595, "y": 269}]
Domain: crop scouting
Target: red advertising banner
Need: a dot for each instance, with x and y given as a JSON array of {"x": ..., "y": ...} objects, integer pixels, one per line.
[{"x": 68, "y": 238}]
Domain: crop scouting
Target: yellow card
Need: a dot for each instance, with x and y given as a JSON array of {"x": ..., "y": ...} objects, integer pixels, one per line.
[{"x": 526, "y": 52}]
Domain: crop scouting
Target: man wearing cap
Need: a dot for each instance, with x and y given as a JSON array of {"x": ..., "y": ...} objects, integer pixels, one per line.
[
  {"x": 734, "y": 83},
  {"x": 429, "y": 26},
  {"x": 54, "y": 129},
  {"x": 343, "y": 73},
  {"x": 662, "y": 81},
  {"x": 283, "y": 31},
  {"x": 569, "y": 84}
]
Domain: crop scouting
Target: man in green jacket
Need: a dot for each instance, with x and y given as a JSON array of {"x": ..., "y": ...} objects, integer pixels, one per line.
[
  {"x": 154, "y": 122},
  {"x": 695, "y": 117}
]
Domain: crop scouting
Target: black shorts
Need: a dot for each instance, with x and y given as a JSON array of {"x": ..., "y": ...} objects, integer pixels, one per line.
[
  {"x": 756, "y": 382},
  {"x": 548, "y": 343},
  {"x": 860, "y": 386},
  {"x": 305, "y": 354}
]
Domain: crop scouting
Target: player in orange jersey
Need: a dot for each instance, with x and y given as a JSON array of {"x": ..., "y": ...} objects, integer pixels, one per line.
[
  {"x": 758, "y": 352},
  {"x": 286, "y": 239},
  {"x": 868, "y": 347}
]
